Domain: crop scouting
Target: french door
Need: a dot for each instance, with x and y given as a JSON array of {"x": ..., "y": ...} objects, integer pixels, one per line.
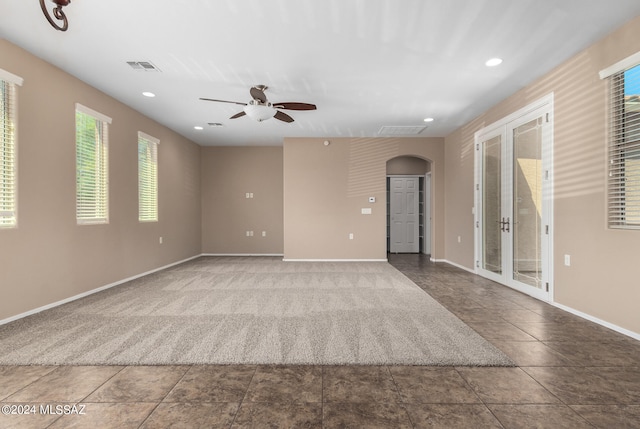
[{"x": 513, "y": 201}]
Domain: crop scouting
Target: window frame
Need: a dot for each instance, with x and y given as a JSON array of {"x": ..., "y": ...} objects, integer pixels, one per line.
[
  {"x": 94, "y": 212},
  {"x": 148, "y": 178},
  {"x": 623, "y": 148},
  {"x": 9, "y": 169}
]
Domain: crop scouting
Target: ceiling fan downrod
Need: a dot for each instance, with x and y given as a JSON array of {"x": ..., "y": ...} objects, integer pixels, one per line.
[{"x": 57, "y": 13}]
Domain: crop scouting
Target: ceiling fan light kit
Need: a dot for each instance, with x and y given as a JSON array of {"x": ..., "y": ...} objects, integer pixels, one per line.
[{"x": 259, "y": 112}]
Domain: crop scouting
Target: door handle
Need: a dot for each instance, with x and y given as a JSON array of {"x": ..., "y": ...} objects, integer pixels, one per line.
[{"x": 504, "y": 225}]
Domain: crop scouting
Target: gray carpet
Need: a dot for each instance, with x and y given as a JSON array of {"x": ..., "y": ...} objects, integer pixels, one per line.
[{"x": 252, "y": 311}]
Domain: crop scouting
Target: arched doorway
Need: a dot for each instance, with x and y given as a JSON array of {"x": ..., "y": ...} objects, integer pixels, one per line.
[{"x": 409, "y": 205}]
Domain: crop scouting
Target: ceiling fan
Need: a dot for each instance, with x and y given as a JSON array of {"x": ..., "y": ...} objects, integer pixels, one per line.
[{"x": 261, "y": 109}]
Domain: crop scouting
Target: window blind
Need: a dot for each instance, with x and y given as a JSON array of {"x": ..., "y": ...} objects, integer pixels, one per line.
[
  {"x": 8, "y": 150},
  {"x": 92, "y": 167},
  {"x": 147, "y": 178},
  {"x": 623, "y": 187}
]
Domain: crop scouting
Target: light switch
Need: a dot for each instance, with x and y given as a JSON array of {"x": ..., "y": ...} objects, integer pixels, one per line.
[{"x": 366, "y": 210}]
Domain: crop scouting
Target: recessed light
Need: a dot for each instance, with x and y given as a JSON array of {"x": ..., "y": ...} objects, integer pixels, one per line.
[
  {"x": 428, "y": 119},
  {"x": 493, "y": 62},
  {"x": 199, "y": 128},
  {"x": 148, "y": 94}
]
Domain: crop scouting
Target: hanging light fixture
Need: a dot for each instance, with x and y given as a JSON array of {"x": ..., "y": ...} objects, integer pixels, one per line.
[
  {"x": 259, "y": 111},
  {"x": 57, "y": 13}
]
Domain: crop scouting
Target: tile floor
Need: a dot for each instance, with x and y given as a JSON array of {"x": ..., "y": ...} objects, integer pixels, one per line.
[{"x": 571, "y": 374}]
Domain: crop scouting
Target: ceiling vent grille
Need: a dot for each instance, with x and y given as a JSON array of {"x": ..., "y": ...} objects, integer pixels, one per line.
[
  {"x": 143, "y": 66},
  {"x": 401, "y": 130}
]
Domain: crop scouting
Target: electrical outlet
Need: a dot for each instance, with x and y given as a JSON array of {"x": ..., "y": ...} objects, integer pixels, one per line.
[
  {"x": 459, "y": 239},
  {"x": 351, "y": 236},
  {"x": 160, "y": 240},
  {"x": 567, "y": 260},
  {"x": 264, "y": 233}
]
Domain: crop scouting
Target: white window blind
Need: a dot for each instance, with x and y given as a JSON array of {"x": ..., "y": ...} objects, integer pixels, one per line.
[
  {"x": 92, "y": 166},
  {"x": 8, "y": 150},
  {"x": 623, "y": 187},
  {"x": 147, "y": 178}
]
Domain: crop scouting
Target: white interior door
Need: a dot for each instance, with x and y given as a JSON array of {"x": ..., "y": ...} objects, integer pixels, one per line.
[
  {"x": 513, "y": 202},
  {"x": 404, "y": 215}
]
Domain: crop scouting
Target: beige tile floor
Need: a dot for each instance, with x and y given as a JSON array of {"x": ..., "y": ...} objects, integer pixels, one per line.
[{"x": 571, "y": 373}]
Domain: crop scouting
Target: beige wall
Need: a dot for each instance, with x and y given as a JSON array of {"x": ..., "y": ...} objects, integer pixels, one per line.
[
  {"x": 602, "y": 280},
  {"x": 228, "y": 174},
  {"x": 325, "y": 188},
  {"x": 48, "y": 257}
]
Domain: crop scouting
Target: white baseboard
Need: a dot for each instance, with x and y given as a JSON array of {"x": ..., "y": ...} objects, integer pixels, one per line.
[
  {"x": 593, "y": 319},
  {"x": 578, "y": 313},
  {"x": 334, "y": 260},
  {"x": 241, "y": 254},
  {"x": 91, "y": 292},
  {"x": 586, "y": 316}
]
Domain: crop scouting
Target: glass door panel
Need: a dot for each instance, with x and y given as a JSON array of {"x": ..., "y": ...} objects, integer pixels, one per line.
[
  {"x": 492, "y": 204},
  {"x": 527, "y": 203}
]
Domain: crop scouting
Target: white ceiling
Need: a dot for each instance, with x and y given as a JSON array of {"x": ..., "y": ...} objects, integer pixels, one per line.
[{"x": 365, "y": 63}]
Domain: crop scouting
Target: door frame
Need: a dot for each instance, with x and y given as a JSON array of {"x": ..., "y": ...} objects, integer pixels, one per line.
[
  {"x": 426, "y": 245},
  {"x": 424, "y": 210},
  {"x": 501, "y": 127},
  {"x": 417, "y": 205}
]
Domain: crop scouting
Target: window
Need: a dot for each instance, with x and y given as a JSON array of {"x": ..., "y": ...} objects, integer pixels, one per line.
[
  {"x": 623, "y": 187},
  {"x": 147, "y": 178},
  {"x": 92, "y": 166},
  {"x": 8, "y": 150}
]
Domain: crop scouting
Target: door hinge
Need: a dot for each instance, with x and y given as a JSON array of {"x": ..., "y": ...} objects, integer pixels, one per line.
[
  {"x": 547, "y": 286},
  {"x": 477, "y": 186},
  {"x": 547, "y": 118},
  {"x": 477, "y": 224},
  {"x": 477, "y": 264},
  {"x": 546, "y": 229},
  {"x": 546, "y": 174},
  {"x": 477, "y": 146}
]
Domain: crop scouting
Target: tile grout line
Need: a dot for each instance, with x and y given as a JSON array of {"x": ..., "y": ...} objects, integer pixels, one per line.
[
  {"x": 163, "y": 398},
  {"x": 24, "y": 387},
  {"x": 235, "y": 416},
  {"x": 399, "y": 400}
]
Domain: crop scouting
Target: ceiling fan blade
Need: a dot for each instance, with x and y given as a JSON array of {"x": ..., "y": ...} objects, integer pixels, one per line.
[
  {"x": 295, "y": 106},
  {"x": 237, "y": 115},
  {"x": 283, "y": 116},
  {"x": 258, "y": 94},
  {"x": 223, "y": 101}
]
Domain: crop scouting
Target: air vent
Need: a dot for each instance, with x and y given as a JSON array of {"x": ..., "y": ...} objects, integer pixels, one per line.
[
  {"x": 215, "y": 124},
  {"x": 401, "y": 130},
  {"x": 143, "y": 66}
]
